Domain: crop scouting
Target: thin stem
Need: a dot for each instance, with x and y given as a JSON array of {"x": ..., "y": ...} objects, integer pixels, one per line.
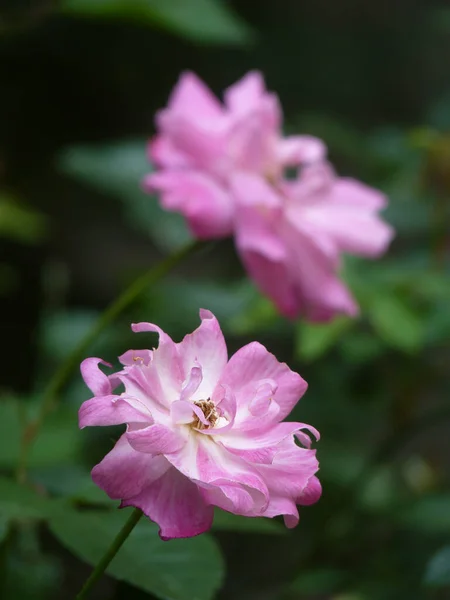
[
  {"x": 110, "y": 553},
  {"x": 61, "y": 376}
]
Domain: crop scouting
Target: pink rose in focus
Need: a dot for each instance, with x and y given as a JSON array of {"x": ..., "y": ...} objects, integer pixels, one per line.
[
  {"x": 223, "y": 166},
  {"x": 202, "y": 431}
]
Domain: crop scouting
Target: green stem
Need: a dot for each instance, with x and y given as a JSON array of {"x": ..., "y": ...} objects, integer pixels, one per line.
[
  {"x": 61, "y": 376},
  {"x": 110, "y": 553}
]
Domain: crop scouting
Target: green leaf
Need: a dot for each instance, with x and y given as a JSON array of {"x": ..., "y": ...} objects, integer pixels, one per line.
[
  {"x": 60, "y": 431},
  {"x": 4, "y": 521},
  {"x": 198, "y": 20},
  {"x": 224, "y": 521},
  {"x": 437, "y": 573},
  {"x": 315, "y": 339},
  {"x": 430, "y": 514},
  {"x": 189, "y": 569},
  {"x": 19, "y": 222},
  {"x": 319, "y": 581},
  {"x": 117, "y": 169},
  {"x": 18, "y": 501},
  {"x": 73, "y": 482},
  {"x": 396, "y": 322}
]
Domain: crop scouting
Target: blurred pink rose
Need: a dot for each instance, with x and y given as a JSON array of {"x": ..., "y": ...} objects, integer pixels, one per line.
[
  {"x": 223, "y": 167},
  {"x": 202, "y": 431}
]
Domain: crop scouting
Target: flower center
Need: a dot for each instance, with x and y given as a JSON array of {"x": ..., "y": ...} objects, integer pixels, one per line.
[{"x": 210, "y": 413}]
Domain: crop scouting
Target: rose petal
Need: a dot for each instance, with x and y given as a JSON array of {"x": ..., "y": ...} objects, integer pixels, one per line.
[
  {"x": 176, "y": 505},
  {"x": 124, "y": 472},
  {"x": 155, "y": 440},
  {"x": 112, "y": 410}
]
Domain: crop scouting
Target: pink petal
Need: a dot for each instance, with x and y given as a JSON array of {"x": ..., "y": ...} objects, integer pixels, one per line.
[
  {"x": 272, "y": 278},
  {"x": 290, "y": 472},
  {"x": 246, "y": 93},
  {"x": 260, "y": 403},
  {"x": 205, "y": 346},
  {"x": 156, "y": 440},
  {"x": 313, "y": 272},
  {"x": 123, "y": 472},
  {"x": 112, "y": 410},
  {"x": 253, "y": 190},
  {"x": 351, "y": 192},
  {"x": 201, "y": 141},
  {"x": 165, "y": 368},
  {"x": 347, "y": 216},
  {"x": 249, "y": 96},
  {"x": 193, "y": 98},
  {"x": 192, "y": 384},
  {"x": 311, "y": 493},
  {"x": 253, "y": 363},
  {"x": 205, "y": 204},
  {"x": 176, "y": 505},
  {"x": 182, "y": 412},
  {"x": 280, "y": 505},
  {"x": 94, "y": 378},
  {"x": 271, "y": 437},
  {"x": 164, "y": 154},
  {"x": 232, "y": 484},
  {"x": 133, "y": 357},
  {"x": 300, "y": 149},
  {"x": 226, "y": 480}
]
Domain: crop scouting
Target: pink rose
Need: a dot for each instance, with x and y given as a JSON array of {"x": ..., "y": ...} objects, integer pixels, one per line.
[
  {"x": 223, "y": 166},
  {"x": 202, "y": 431}
]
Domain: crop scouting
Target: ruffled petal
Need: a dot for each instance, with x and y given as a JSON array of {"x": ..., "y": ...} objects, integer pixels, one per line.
[
  {"x": 245, "y": 94},
  {"x": 311, "y": 493},
  {"x": 205, "y": 204},
  {"x": 123, "y": 472},
  {"x": 156, "y": 440},
  {"x": 290, "y": 472},
  {"x": 165, "y": 369},
  {"x": 136, "y": 357},
  {"x": 347, "y": 215},
  {"x": 193, "y": 98},
  {"x": 312, "y": 269},
  {"x": 94, "y": 378},
  {"x": 300, "y": 149},
  {"x": 206, "y": 347},
  {"x": 226, "y": 480},
  {"x": 176, "y": 505},
  {"x": 282, "y": 505},
  {"x": 113, "y": 410},
  {"x": 252, "y": 364}
]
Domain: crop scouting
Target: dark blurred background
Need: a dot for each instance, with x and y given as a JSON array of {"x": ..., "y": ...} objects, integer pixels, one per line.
[{"x": 80, "y": 83}]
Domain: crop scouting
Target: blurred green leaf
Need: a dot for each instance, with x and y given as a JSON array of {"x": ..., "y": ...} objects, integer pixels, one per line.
[
  {"x": 188, "y": 569},
  {"x": 319, "y": 581},
  {"x": 437, "y": 573},
  {"x": 18, "y": 501},
  {"x": 430, "y": 514},
  {"x": 396, "y": 322},
  {"x": 258, "y": 314},
  {"x": 4, "y": 520},
  {"x": 225, "y": 521},
  {"x": 62, "y": 331},
  {"x": 198, "y": 20},
  {"x": 58, "y": 442},
  {"x": 315, "y": 339},
  {"x": 19, "y": 222},
  {"x": 73, "y": 482},
  {"x": 117, "y": 169},
  {"x": 226, "y": 300}
]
